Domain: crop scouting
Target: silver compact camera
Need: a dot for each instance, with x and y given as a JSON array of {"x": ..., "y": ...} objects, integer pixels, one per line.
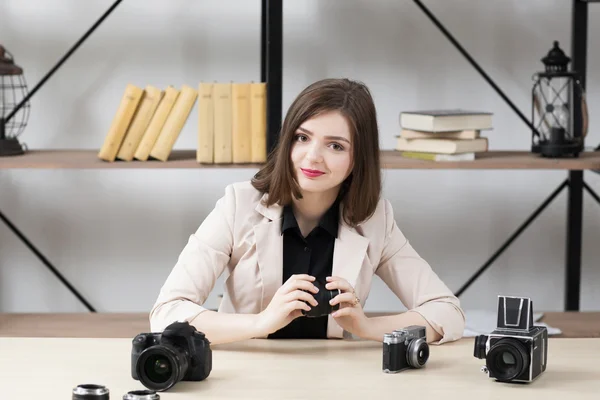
[
  {"x": 405, "y": 348},
  {"x": 517, "y": 350}
]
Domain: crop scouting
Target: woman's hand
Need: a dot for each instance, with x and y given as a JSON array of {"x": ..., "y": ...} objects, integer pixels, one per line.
[
  {"x": 287, "y": 303},
  {"x": 350, "y": 315}
]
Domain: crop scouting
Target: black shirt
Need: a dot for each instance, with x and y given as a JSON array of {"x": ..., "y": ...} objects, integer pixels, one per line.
[{"x": 312, "y": 255}]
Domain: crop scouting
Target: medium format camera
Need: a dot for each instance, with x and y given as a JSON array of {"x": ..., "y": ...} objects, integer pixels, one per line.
[
  {"x": 323, "y": 296},
  {"x": 179, "y": 353},
  {"x": 405, "y": 348},
  {"x": 90, "y": 391},
  {"x": 517, "y": 350}
]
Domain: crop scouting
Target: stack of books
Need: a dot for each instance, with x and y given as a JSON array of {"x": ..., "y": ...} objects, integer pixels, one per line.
[
  {"x": 443, "y": 135},
  {"x": 231, "y": 123}
]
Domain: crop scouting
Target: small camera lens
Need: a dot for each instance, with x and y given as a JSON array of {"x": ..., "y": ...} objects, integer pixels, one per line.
[
  {"x": 417, "y": 353},
  {"x": 90, "y": 391},
  {"x": 507, "y": 359},
  {"x": 141, "y": 395},
  {"x": 160, "y": 367},
  {"x": 323, "y": 296}
]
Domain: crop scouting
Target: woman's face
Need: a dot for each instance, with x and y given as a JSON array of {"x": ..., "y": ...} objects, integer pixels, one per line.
[{"x": 322, "y": 153}]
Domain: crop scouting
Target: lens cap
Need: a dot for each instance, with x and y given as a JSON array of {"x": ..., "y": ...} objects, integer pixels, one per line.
[{"x": 90, "y": 391}]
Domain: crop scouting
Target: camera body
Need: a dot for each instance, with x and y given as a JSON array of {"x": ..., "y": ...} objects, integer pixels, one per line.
[
  {"x": 405, "y": 348},
  {"x": 179, "y": 353},
  {"x": 517, "y": 350}
]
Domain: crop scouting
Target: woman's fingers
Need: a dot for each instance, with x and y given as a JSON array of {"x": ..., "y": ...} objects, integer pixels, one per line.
[
  {"x": 300, "y": 295},
  {"x": 296, "y": 305},
  {"x": 338, "y": 283},
  {"x": 300, "y": 282},
  {"x": 343, "y": 298}
]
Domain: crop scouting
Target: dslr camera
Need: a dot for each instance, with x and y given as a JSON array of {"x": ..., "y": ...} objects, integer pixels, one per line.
[
  {"x": 405, "y": 348},
  {"x": 179, "y": 353},
  {"x": 516, "y": 351},
  {"x": 323, "y": 296}
]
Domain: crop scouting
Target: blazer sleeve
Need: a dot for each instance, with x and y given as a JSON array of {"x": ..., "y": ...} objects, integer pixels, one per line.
[
  {"x": 418, "y": 287},
  {"x": 198, "y": 266}
]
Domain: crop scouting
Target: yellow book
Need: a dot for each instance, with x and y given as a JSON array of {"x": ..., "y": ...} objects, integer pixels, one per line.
[
  {"x": 258, "y": 125},
  {"x": 222, "y": 123},
  {"x": 118, "y": 128},
  {"x": 139, "y": 124},
  {"x": 204, "y": 153},
  {"x": 241, "y": 132},
  {"x": 156, "y": 123},
  {"x": 174, "y": 124}
]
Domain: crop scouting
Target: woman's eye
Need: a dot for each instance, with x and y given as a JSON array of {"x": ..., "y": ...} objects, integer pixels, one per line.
[
  {"x": 301, "y": 138},
  {"x": 337, "y": 147}
]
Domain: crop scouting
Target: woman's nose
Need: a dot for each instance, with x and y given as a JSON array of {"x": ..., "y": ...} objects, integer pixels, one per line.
[{"x": 314, "y": 153}]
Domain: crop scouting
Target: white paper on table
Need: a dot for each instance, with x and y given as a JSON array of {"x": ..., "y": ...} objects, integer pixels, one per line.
[{"x": 481, "y": 322}]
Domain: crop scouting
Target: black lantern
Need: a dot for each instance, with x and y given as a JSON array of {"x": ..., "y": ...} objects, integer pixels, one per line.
[
  {"x": 560, "y": 132},
  {"x": 14, "y": 112}
]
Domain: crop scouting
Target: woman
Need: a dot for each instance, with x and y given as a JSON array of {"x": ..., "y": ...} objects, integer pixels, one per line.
[{"x": 313, "y": 212}]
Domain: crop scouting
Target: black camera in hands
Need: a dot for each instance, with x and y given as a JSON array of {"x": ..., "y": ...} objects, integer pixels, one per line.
[
  {"x": 405, "y": 348},
  {"x": 179, "y": 353},
  {"x": 517, "y": 350},
  {"x": 323, "y": 296}
]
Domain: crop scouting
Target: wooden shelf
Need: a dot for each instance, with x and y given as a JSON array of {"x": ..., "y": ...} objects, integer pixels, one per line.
[{"x": 390, "y": 159}]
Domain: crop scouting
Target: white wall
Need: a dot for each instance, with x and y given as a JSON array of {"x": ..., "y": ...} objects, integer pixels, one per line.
[{"x": 116, "y": 234}]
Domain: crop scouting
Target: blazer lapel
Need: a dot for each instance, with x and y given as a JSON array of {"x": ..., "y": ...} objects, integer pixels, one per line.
[
  {"x": 269, "y": 249},
  {"x": 349, "y": 253},
  {"x": 348, "y": 256}
]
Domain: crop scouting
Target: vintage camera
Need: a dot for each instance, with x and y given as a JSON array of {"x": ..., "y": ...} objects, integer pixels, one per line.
[
  {"x": 405, "y": 348},
  {"x": 179, "y": 353},
  {"x": 516, "y": 351},
  {"x": 323, "y": 296}
]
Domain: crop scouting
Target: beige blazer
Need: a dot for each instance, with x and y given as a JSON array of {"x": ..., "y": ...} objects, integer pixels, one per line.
[{"x": 242, "y": 238}]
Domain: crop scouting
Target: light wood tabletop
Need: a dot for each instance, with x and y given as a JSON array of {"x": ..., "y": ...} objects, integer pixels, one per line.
[
  {"x": 49, "y": 368},
  {"x": 585, "y": 324}
]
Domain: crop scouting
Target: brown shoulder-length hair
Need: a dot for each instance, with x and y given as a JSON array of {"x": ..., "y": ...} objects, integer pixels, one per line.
[{"x": 361, "y": 190}]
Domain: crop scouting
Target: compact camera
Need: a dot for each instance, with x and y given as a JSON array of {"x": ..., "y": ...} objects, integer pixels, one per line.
[
  {"x": 517, "y": 350},
  {"x": 179, "y": 353},
  {"x": 100, "y": 392},
  {"x": 323, "y": 296},
  {"x": 405, "y": 348}
]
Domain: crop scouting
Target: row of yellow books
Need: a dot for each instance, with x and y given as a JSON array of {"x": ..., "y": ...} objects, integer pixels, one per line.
[{"x": 231, "y": 123}]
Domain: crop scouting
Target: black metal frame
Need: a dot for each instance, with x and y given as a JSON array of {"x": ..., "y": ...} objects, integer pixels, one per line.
[
  {"x": 271, "y": 72},
  {"x": 574, "y": 182}
]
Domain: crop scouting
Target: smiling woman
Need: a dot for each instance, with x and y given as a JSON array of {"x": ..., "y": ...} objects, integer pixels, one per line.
[{"x": 309, "y": 227}]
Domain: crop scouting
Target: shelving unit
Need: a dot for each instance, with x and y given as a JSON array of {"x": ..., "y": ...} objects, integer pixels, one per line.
[
  {"x": 390, "y": 159},
  {"x": 271, "y": 72}
]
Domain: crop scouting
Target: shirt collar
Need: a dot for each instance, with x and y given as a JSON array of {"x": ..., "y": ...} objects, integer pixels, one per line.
[{"x": 329, "y": 221}]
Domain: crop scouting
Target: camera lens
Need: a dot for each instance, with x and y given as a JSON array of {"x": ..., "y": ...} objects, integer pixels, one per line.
[
  {"x": 160, "y": 367},
  {"x": 90, "y": 392},
  {"x": 507, "y": 359},
  {"x": 141, "y": 395},
  {"x": 417, "y": 353},
  {"x": 323, "y": 296}
]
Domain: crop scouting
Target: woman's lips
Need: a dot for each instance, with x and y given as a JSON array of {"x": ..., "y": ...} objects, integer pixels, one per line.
[{"x": 311, "y": 173}]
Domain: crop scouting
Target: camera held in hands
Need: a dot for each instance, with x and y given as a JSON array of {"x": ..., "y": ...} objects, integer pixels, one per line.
[
  {"x": 179, "y": 353},
  {"x": 323, "y": 296},
  {"x": 405, "y": 348},
  {"x": 517, "y": 350}
]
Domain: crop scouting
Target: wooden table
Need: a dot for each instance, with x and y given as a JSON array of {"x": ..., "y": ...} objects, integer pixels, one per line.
[
  {"x": 127, "y": 325},
  {"x": 49, "y": 368}
]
